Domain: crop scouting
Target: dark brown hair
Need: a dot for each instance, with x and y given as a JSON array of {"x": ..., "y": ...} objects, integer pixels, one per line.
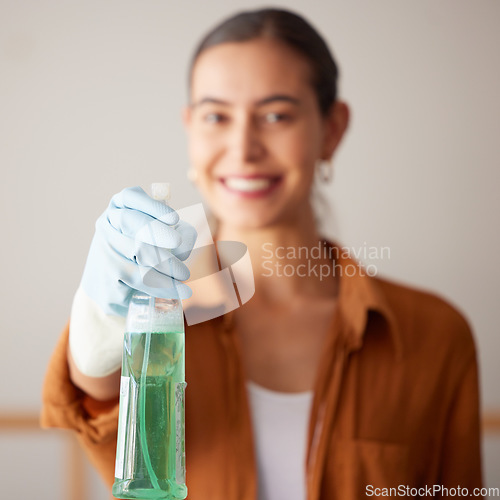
[{"x": 289, "y": 28}]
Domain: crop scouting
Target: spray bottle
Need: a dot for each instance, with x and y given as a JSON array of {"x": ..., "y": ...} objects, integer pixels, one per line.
[{"x": 150, "y": 457}]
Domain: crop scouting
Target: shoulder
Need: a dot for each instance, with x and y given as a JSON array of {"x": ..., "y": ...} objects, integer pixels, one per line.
[
  {"x": 421, "y": 304},
  {"x": 426, "y": 320}
]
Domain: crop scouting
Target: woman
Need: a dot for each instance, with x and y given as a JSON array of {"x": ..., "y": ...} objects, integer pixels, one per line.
[{"x": 315, "y": 388}]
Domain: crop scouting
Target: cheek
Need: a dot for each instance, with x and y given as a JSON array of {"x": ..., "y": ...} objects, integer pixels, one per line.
[
  {"x": 203, "y": 153},
  {"x": 302, "y": 148},
  {"x": 201, "y": 150}
]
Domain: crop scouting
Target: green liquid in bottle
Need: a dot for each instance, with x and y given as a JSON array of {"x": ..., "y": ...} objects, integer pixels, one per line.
[{"x": 150, "y": 455}]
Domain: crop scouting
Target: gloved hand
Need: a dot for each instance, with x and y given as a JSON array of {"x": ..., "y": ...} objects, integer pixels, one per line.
[{"x": 139, "y": 244}]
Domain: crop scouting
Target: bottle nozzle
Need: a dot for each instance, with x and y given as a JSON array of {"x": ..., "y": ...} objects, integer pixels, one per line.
[{"x": 160, "y": 191}]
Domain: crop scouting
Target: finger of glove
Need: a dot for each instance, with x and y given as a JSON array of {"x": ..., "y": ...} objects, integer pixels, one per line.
[
  {"x": 121, "y": 254},
  {"x": 136, "y": 198},
  {"x": 143, "y": 228},
  {"x": 127, "y": 250},
  {"x": 162, "y": 260},
  {"x": 188, "y": 237}
]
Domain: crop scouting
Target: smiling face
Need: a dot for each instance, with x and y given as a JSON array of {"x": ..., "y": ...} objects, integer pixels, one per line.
[{"x": 255, "y": 132}]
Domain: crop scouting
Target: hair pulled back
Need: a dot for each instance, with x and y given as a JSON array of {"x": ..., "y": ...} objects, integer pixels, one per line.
[{"x": 287, "y": 27}]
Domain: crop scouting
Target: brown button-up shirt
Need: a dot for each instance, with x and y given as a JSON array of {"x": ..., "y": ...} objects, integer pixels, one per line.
[{"x": 395, "y": 402}]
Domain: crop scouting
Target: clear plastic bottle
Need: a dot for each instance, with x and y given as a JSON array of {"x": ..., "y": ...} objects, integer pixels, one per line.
[{"x": 150, "y": 456}]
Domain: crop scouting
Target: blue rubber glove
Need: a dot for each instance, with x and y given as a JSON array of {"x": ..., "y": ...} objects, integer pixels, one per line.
[{"x": 139, "y": 244}]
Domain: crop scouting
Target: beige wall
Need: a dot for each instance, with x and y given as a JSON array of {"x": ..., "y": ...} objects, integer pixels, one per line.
[{"x": 90, "y": 99}]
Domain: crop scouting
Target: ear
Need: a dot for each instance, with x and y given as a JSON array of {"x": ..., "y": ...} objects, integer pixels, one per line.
[{"x": 336, "y": 123}]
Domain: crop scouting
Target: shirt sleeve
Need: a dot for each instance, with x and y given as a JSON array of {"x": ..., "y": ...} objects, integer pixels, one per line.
[
  {"x": 66, "y": 406},
  {"x": 461, "y": 462}
]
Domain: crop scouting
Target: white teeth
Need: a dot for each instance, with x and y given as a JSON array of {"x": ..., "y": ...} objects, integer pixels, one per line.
[{"x": 247, "y": 185}]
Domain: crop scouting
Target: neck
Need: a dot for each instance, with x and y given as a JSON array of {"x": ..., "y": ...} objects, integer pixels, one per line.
[{"x": 282, "y": 256}]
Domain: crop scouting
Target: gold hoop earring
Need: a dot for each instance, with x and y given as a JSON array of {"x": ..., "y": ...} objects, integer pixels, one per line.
[{"x": 324, "y": 170}]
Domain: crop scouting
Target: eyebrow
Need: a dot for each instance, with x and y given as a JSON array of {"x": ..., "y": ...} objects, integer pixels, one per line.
[{"x": 260, "y": 102}]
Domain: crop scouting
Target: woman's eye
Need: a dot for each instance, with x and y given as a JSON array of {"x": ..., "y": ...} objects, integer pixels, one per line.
[
  {"x": 214, "y": 118},
  {"x": 275, "y": 117}
]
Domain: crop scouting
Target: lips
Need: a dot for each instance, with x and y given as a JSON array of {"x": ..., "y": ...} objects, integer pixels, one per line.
[{"x": 250, "y": 185}]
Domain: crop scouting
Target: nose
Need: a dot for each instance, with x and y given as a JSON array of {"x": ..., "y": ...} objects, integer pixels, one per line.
[{"x": 246, "y": 144}]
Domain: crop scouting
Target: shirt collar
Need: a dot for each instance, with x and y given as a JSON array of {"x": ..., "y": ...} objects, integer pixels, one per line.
[{"x": 359, "y": 295}]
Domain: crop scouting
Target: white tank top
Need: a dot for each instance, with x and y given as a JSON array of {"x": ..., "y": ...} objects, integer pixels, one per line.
[{"x": 280, "y": 423}]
